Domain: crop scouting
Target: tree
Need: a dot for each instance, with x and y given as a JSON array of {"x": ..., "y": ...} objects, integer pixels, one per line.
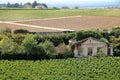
[
  {"x": 115, "y": 43},
  {"x": 8, "y": 5},
  {"x": 76, "y": 7},
  {"x": 44, "y": 5},
  {"x": 34, "y": 4},
  {"x": 16, "y": 5},
  {"x": 28, "y": 5},
  {"x": 21, "y": 5}
]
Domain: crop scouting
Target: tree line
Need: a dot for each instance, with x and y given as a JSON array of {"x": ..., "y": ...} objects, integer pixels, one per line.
[{"x": 20, "y": 5}]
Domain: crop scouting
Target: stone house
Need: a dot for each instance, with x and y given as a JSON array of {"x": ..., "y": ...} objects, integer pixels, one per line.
[
  {"x": 90, "y": 47},
  {"x": 65, "y": 7},
  {"x": 40, "y": 6}
]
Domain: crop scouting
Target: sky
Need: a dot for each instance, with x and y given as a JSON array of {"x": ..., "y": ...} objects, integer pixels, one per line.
[
  {"x": 55, "y": 1},
  {"x": 68, "y": 2}
]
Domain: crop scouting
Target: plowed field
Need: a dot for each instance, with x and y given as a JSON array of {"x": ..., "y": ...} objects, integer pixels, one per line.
[{"x": 74, "y": 23}]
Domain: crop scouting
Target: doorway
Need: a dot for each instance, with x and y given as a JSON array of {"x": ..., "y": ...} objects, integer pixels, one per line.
[{"x": 90, "y": 51}]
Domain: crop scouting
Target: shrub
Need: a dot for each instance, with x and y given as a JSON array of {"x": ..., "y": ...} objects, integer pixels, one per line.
[
  {"x": 30, "y": 44},
  {"x": 105, "y": 40},
  {"x": 67, "y": 36},
  {"x": 106, "y": 34},
  {"x": 116, "y": 51},
  {"x": 1, "y": 37},
  {"x": 55, "y": 38},
  {"x": 115, "y": 43},
  {"x": 18, "y": 38},
  {"x": 8, "y": 48},
  {"x": 49, "y": 48},
  {"x": 32, "y": 49},
  {"x": 85, "y": 34},
  {"x": 23, "y": 31},
  {"x": 115, "y": 31}
]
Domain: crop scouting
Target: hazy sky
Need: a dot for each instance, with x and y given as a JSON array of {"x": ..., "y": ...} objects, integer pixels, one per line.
[
  {"x": 56, "y": 1},
  {"x": 70, "y": 3}
]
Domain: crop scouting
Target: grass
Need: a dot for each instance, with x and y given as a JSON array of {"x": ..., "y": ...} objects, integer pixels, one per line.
[
  {"x": 104, "y": 68},
  {"x": 25, "y": 14}
]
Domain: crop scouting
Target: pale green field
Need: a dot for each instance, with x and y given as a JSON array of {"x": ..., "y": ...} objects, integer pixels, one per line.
[{"x": 25, "y": 14}]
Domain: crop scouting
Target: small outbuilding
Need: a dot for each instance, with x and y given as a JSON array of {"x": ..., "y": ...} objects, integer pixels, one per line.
[{"x": 90, "y": 47}]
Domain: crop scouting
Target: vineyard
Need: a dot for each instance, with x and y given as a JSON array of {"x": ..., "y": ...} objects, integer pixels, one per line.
[{"x": 104, "y": 68}]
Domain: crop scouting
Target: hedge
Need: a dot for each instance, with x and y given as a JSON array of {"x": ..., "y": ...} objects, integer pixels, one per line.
[{"x": 34, "y": 46}]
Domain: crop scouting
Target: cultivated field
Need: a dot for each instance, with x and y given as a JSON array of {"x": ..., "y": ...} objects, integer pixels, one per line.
[
  {"x": 78, "y": 23},
  {"x": 72, "y": 23},
  {"x": 104, "y": 68},
  {"x": 63, "y": 20}
]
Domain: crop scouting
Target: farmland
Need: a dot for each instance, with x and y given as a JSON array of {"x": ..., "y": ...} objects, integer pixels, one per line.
[
  {"x": 104, "y": 68},
  {"x": 78, "y": 22},
  {"x": 62, "y": 19},
  {"x": 91, "y": 68},
  {"x": 23, "y": 14}
]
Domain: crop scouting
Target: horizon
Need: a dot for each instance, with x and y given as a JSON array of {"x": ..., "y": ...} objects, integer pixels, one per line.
[
  {"x": 55, "y": 1},
  {"x": 69, "y": 3}
]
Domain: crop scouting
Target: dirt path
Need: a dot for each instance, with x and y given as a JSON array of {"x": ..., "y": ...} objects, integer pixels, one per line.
[
  {"x": 34, "y": 26},
  {"x": 47, "y": 19}
]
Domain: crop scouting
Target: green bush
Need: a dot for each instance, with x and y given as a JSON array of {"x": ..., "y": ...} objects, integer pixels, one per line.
[
  {"x": 9, "y": 49},
  {"x": 49, "y": 49},
  {"x": 115, "y": 31},
  {"x": 116, "y": 51},
  {"x": 67, "y": 36},
  {"x": 56, "y": 39},
  {"x": 105, "y": 40},
  {"x": 18, "y": 38},
  {"x": 30, "y": 44},
  {"x": 1, "y": 37},
  {"x": 32, "y": 49},
  {"x": 85, "y": 34},
  {"x": 8, "y": 46},
  {"x": 106, "y": 34},
  {"x": 115, "y": 43}
]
